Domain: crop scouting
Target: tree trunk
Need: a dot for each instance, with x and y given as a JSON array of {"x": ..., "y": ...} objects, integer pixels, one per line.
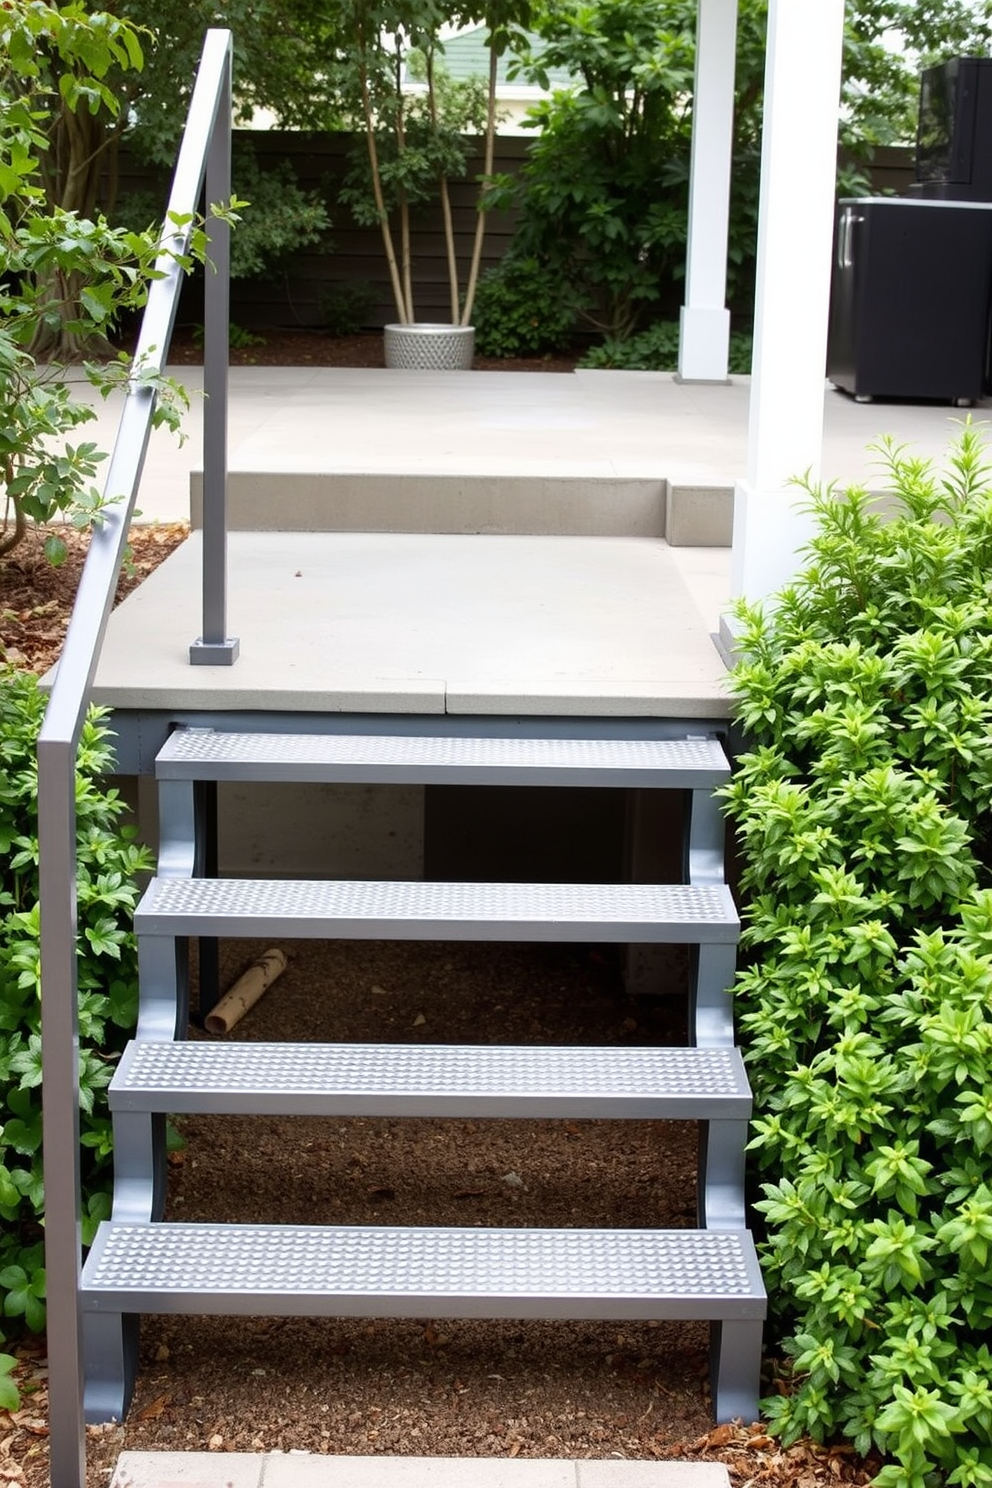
[
  {"x": 71, "y": 170},
  {"x": 487, "y": 170},
  {"x": 449, "y": 229},
  {"x": 387, "y": 237}
]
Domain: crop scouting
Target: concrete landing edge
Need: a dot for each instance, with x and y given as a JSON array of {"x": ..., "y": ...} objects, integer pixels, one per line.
[{"x": 307, "y": 1470}]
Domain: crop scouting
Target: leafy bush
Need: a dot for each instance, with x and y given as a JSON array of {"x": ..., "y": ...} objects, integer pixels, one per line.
[
  {"x": 657, "y": 350},
  {"x": 346, "y": 306},
  {"x": 863, "y": 809},
  {"x": 109, "y": 858},
  {"x": 278, "y": 217},
  {"x": 522, "y": 309},
  {"x": 603, "y": 193}
]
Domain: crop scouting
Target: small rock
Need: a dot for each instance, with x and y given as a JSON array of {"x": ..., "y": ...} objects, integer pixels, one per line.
[
  {"x": 162, "y": 1353},
  {"x": 216, "y": 1443},
  {"x": 513, "y": 1180}
]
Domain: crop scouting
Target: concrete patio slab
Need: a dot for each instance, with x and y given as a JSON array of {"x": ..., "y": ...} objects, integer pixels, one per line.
[
  {"x": 381, "y": 622},
  {"x": 304, "y": 1470},
  {"x": 631, "y": 426}
]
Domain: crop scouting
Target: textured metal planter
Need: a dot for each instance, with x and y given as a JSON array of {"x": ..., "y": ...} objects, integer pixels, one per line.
[{"x": 425, "y": 346}]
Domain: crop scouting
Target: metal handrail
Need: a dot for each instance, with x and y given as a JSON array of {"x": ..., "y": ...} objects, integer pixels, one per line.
[{"x": 204, "y": 152}]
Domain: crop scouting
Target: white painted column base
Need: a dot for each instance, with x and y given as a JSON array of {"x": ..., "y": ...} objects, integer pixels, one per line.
[
  {"x": 704, "y": 344},
  {"x": 771, "y": 530}
]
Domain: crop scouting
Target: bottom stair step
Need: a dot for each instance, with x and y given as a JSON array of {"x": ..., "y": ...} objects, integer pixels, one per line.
[{"x": 355, "y": 1271}]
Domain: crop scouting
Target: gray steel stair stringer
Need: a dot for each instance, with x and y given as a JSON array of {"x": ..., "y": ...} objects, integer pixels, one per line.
[{"x": 699, "y": 912}]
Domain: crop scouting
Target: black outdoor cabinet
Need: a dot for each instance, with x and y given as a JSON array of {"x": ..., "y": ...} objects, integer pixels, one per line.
[{"x": 910, "y": 299}]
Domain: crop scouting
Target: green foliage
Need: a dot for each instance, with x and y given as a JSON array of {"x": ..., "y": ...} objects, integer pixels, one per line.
[
  {"x": 863, "y": 811},
  {"x": 413, "y": 155},
  {"x": 886, "y": 42},
  {"x": 346, "y": 306},
  {"x": 66, "y": 277},
  {"x": 275, "y": 44},
  {"x": 657, "y": 350},
  {"x": 414, "y": 143},
  {"x": 10, "y": 1396},
  {"x": 108, "y": 860},
  {"x": 603, "y": 193},
  {"x": 522, "y": 309},
  {"x": 279, "y": 217}
]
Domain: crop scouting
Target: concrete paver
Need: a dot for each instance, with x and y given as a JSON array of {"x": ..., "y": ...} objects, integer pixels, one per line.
[
  {"x": 305, "y": 1470},
  {"x": 388, "y": 622}
]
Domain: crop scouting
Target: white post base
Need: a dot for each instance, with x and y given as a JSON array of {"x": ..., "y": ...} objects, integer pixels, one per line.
[
  {"x": 704, "y": 344},
  {"x": 771, "y": 530}
]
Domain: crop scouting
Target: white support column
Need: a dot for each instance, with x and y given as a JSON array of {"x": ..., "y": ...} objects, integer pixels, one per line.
[
  {"x": 795, "y": 234},
  {"x": 704, "y": 332}
]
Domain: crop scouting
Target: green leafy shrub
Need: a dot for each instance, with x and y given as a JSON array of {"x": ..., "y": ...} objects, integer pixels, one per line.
[
  {"x": 108, "y": 859},
  {"x": 603, "y": 193},
  {"x": 346, "y": 306},
  {"x": 522, "y": 309},
  {"x": 866, "y": 1010},
  {"x": 657, "y": 350}
]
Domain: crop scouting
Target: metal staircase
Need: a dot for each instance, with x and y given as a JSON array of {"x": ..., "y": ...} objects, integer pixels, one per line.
[{"x": 142, "y": 1264}]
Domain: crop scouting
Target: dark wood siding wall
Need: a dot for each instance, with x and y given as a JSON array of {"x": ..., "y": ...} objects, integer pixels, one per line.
[{"x": 291, "y": 294}]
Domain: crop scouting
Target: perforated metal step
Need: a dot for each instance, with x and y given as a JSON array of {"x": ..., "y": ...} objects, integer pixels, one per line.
[
  {"x": 431, "y": 1080},
  {"x": 345, "y": 1271},
  {"x": 203, "y": 754},
  {"x": 347, "y": 909}
]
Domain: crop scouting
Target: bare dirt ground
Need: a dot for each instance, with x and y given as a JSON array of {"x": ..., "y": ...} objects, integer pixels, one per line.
[{"x": 423, "y": 1387}]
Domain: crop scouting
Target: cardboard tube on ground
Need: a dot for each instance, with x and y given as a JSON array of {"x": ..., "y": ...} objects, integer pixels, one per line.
[{"x": 246, "y": 991}]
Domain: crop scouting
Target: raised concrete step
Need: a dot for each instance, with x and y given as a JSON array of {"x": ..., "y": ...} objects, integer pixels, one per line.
[
  {"x": 484, "y": 502},
  {"x": 349, "y": 909},
  {"x": 205, "y": 754},
  {"x": 431, "y": 1080}
]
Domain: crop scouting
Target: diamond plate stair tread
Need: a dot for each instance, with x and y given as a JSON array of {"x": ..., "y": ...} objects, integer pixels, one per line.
[
  {"x": 203, "y": 754},
  {"x": 431, "y": 1080},
  {"x": 350, "y": 909},
  {"x": 356, "y": 1271}
]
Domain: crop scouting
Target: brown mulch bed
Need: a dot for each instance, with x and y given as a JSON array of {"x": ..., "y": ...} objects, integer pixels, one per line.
[
  {"x": 306, "y": 348},
  {"x": 426, "y": 1386},
  {"x": 36, "y": 598}
]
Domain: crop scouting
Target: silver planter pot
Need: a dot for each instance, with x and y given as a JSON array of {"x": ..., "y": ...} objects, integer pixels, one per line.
[{"x": 425, "y": 346}]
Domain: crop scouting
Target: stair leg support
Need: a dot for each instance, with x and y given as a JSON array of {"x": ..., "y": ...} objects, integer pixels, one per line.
[
  {"x": 705, "y": 840},
  {"x": 735, "y": 1369},
  {"x": 208, "y": 864},
  {"x": 721, "y": 1174},
  {"x": 140, "y": 1166},
  {"x": 711, "y": 1010},
  {"x": 163, "y": 999},
  {"x": 110, "y": 1353}
]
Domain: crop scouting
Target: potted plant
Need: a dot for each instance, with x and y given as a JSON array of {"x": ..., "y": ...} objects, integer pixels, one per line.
[{"x": 414, "y": 141}]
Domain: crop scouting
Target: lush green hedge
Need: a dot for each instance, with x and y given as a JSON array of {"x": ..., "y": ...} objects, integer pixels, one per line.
[
  {"x": 866, "y": 1004},
  {"x": 109, "y": 858}
]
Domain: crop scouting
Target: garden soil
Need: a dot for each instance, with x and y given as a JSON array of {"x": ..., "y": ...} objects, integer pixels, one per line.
[{"x": 426, "y": 1386}]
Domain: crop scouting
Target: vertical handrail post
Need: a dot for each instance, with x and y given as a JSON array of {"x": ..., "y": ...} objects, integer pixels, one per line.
[
  {"x": 215, "y": 647},
  {"x": 60, "y": 1109}
]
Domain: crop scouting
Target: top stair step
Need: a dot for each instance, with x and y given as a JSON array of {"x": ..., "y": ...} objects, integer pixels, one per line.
[{"x": 207, "y": 754}]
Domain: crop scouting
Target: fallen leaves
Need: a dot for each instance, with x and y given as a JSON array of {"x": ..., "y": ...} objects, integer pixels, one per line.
[{"x": 156, "y": 1408}]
